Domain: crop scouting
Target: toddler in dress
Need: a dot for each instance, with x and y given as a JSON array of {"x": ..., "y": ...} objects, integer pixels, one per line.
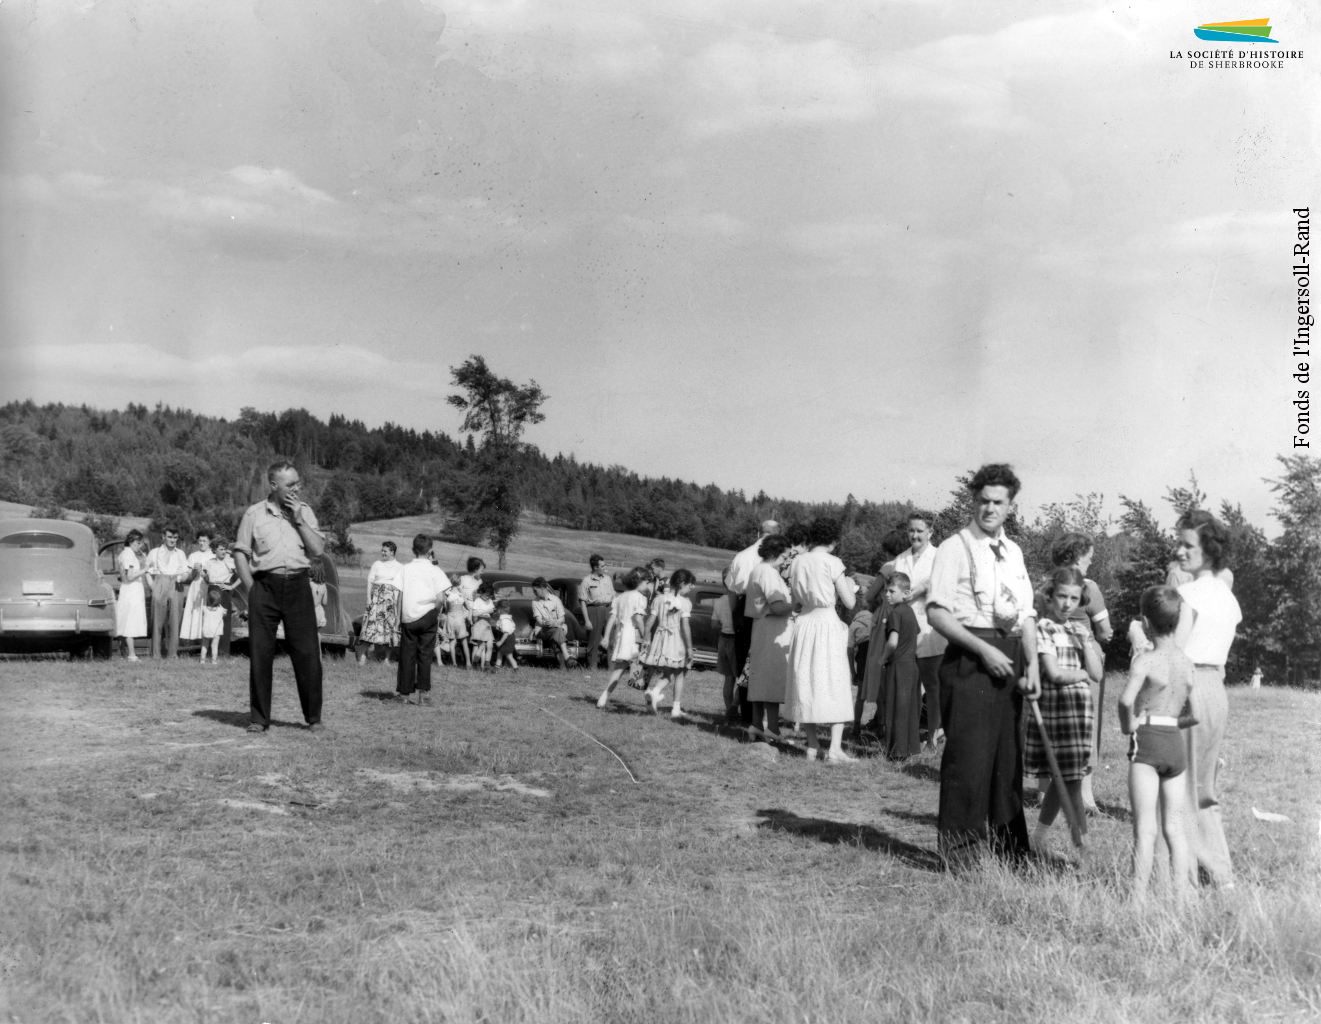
[{"x": 213, "y": 624}]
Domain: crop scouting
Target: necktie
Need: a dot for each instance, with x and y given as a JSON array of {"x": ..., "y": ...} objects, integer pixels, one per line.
[{"x": 998, "y": 549}]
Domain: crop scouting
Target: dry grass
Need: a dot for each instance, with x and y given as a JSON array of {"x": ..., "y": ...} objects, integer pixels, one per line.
[
  {"x": 346, "y": 880},
  {"x": 542, "y": 549}
]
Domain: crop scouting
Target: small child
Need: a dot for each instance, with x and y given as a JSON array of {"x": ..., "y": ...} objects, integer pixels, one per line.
[
  {"x": 671, "y": 650},
  {"x": 454, "y": 627},
  {"x": 1159, "y": 682},
  {"x": 213, "y": 624},
  {"x": 317, "y": 575},
  {"x": 901, "y": 697},
  {"x": 1070, "y": 662},
  {"x": 623, "y": 631},
  {"x": 504, "y": 635},
  {"x": 481, "y": 606},
  {"x": 722, "y": 614}
]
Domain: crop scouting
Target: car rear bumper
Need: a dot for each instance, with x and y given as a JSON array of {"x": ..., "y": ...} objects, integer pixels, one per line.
[{"x": 63, "y": 625}]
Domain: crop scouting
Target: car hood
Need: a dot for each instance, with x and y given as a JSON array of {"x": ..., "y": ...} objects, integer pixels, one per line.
[{"x": 73, "y": 576}]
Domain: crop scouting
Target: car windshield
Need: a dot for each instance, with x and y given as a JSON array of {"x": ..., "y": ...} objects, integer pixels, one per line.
[{"x": 36, "y": 540}]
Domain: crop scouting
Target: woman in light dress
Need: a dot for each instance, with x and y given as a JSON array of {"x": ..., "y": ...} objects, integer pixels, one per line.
[
  {"x": 769, "y": 604},
  {"x": 820, "y": 690},
  {"x": 131, "y": 604},
  {"x": 380, "y": 626},
  {"x": 194, "y": 604}
]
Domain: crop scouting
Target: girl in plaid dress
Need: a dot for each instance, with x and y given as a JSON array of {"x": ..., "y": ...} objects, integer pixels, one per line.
[{"x": 1070, "y": 662}]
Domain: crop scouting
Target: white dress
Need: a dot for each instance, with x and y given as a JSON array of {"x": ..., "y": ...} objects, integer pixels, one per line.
[
  {"x": 190, "y": 626},
  {"x": 131, "y": 605},
  {"x": 627, "y": 644},
  {"x": 820, "y": 689}
]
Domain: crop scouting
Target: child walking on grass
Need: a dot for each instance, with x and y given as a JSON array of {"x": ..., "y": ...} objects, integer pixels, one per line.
[
  {"x": 1159, "y": 682},
  {"x": 671, "y": 649},
  {"x": 623, "y": 631},
  {"x": 1070, "y": 662}
]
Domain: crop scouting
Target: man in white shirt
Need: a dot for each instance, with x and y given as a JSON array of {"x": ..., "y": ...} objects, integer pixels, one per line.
[
  {"x": 166, "y": 566},
  {"x": 422, "y": 589},
  {"x": 740, "y": 572},
  {"x": 917, "y": 563},
  {"x": 980, "y": 600}
]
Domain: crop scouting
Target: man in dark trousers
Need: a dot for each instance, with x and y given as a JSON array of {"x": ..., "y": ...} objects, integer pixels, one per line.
[
  {"x": 595, "y": 595},
  {"x": 422, "y": 588},
  {"x": 981, "y": 601},
  {"x": 277, "y": 540}
]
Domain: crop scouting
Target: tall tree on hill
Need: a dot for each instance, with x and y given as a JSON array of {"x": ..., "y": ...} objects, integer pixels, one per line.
[{"x": 499, "y": 410}]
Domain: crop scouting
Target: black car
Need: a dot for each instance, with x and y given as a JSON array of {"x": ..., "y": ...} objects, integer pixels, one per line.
[{"x": 516, "y": 588}]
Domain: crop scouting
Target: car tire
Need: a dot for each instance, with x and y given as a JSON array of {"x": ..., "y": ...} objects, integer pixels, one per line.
[{"x": 101, "y": 648}]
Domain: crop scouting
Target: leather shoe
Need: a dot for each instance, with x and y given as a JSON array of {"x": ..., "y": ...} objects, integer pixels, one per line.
[{"x": 254, "y": 727}]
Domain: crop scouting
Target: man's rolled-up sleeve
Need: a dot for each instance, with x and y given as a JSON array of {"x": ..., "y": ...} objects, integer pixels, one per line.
[
  {"x": 310, "y": 521},
  {"x": 945, "y": 572},
  {"x": 243, "y": 539}
]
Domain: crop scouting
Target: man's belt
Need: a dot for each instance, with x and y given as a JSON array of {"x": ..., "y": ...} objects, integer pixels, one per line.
[{"x": 281, "y": 572}]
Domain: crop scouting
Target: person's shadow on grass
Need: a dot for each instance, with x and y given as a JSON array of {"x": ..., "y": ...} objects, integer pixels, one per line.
[
  {"x": 381, "y": 695},
  {"x": 240, "y": 719},
  {"x": 918, "y": 770},
  {"x": 836, "y": 832}
]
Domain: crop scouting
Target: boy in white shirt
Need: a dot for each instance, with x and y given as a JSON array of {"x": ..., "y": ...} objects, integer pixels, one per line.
[{"x": 422, "y": 587}]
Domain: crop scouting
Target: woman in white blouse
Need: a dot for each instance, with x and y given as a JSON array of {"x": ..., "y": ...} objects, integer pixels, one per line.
[
  {"x": 1207, "y": 623},
  {"x": 380, "y": 625}
]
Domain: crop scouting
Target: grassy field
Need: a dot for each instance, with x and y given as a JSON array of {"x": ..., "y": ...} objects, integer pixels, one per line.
[
  {"x": 542, "y": 549},
  {"x": 483, "y": 861}
]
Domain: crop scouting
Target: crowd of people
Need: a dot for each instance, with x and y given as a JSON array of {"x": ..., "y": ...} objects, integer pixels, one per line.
[{"x": 955, "y": 638}]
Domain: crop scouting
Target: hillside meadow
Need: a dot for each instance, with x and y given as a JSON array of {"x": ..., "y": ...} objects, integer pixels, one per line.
[{"x": 485, "y": 860}]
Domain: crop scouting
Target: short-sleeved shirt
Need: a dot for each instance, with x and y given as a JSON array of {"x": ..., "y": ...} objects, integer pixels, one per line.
[
  {"x": 597, "y": 588},
  {"x": 1003, "y": 595},
  {"x": 505, "y": 623},
  {"x": 548, "y": 611},
  {"x": 902, "y": 620},
  {"x": 161, "y": 561},
  {"x": 628, "y": 604},
  {"x": 1218, "y": 616},
  {"x": 1058, "y": 640},
  {"x": 918, "y": 570},
  {"x": 765, "y": 585},
  {"x": 270, "y": 540},
  {"x": 724, "y": 615},
  {"x": 740, "y": 569},
  {"x": 423, "y": 586},
  {"x": 468, "y": 586},
  {"x": 386, "y": 573},
  {"x": 812, "y": 579}
]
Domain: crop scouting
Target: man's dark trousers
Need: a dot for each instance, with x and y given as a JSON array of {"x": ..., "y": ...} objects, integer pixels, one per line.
[
  {"x": 598, "y": 615},
  {"x": 742, "y": 645},
  {"x": 274, "y": 599},
  {"x": 417, "y": 644},
  {"x": 981, "y": 773}
]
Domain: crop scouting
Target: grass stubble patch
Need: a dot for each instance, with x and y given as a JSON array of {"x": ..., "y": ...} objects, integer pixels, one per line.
[{"x": 158, "y": 864}]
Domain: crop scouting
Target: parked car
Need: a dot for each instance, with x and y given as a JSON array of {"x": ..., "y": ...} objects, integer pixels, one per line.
[
  {"x": 52, "y": 596},
  {"x": 337, "y": 635},
  {"x": 706, "y": 633}
]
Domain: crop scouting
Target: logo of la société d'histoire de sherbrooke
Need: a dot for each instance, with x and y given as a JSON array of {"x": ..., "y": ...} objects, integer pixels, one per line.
[{"x": 1253, "y": 30}]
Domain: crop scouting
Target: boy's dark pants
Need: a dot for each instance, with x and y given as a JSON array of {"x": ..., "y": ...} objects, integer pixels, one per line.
[
  {"x": 288, "y": 599},
  {"x": 981, "y": 783},
  {"x": 417, "y": 642},
  {"x": 928, "y": 670}
]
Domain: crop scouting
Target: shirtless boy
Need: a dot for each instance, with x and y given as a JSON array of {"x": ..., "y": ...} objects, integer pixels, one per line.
[{"x": 1158, "y": 685}]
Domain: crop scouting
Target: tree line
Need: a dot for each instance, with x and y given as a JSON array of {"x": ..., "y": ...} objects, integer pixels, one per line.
[{"x": 175, "y": 466}]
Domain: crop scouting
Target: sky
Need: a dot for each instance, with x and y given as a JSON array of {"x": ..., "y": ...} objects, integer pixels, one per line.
[{"x": 808, "y": 248}]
